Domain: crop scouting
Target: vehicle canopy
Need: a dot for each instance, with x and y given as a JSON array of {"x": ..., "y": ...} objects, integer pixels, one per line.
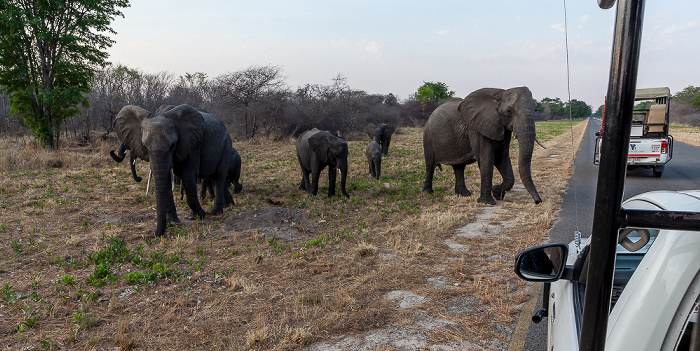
[{"x": 652, "y": 94}]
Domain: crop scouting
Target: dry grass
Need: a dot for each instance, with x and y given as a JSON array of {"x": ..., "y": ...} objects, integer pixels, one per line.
[
  {"x": 688, "y": 135},
  {"x": 226, "y": 282}
]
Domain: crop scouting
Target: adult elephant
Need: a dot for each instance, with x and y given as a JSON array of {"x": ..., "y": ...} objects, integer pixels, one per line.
[
  {"x": 382, "y": 135},
  {"x": 478, "y": 128},
  {"x": 190, "y": 142},
  {"x": 317, "y": 149}
]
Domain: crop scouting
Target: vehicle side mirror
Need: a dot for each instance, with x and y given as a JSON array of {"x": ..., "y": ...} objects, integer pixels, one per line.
[
  {"x": 544, "y": 263},
  {"x": 598, "y": 133}
]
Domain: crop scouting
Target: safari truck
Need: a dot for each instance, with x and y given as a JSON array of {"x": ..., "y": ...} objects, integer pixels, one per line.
[
  {"x": 634, "y": 284},
  {"x": 650, "y": 144}
]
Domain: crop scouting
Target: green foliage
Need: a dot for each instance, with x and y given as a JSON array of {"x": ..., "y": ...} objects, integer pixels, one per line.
[
  {"x": 599, "y": 111},
  {"x": 49, "y": 53},
  {"x": 560, "y": 110},
  {"x": 690, "y": 94},
  {"x": 433, "y": 92}
]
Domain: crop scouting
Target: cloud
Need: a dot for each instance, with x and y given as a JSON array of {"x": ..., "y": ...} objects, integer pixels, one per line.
[
  {"x": 673, "y": 29},
  {"x": 341, "y": 43},
  {"x": 559, "y": 27},
  {"x": 442, "y": 32},
  {"x": 584, "y": 18},
  {"x": 373, "y": 47}
]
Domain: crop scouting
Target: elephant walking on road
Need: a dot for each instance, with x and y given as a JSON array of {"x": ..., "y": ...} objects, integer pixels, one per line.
[
  {"x": 478, "y": 129},
  {"x": 317, "y": 149}
]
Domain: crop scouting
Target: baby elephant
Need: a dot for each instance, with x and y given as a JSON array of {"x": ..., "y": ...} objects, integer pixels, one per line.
[
  {"x": 316, "y": 150},
  {"x": 374, "y": 159}
]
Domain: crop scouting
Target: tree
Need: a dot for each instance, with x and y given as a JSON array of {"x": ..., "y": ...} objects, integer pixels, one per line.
[
  {"x": 435, "y": 92},
  {"x": 579, "y": 109},
  {"x": 49, "y": 53},
  {"x": 599, "y": 111},
  {"x": 248, "y": 86},
  {"x": 690, "y": 94}
]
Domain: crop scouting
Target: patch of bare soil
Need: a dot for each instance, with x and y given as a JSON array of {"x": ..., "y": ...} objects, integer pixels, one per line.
[{"x": 389, "y": 268}]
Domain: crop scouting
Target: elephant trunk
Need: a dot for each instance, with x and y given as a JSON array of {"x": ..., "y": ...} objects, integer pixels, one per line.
[
  {"x": 121, "y": 153},
  {"x": 526, "y": 141},
  {"x": 160, "y": 166},
  {"x": 343, "y": 178}
]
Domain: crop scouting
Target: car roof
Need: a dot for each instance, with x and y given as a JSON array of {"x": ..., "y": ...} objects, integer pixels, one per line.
[
  {"x": 667, "y": 200},
  {"x": 652, "y": 93}
]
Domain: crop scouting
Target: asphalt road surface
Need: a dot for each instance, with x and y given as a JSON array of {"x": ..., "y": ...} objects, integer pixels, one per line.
[{"x": 681, "y": 173}]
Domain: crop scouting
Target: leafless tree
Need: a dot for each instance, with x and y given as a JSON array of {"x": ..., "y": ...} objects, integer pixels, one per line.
[{"x": 248, "y": 87}]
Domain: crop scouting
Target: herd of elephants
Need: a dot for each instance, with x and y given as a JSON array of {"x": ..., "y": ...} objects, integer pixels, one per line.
[{"x": 187, "y": 144}]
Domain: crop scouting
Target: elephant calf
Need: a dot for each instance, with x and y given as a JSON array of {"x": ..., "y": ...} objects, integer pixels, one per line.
[
  {"x": 317, "y": 149},
  {"x": 374, "y": 159}
]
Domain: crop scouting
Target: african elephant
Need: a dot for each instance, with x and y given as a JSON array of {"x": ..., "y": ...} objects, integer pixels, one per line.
[
  {"x": 374, "y": 159},
  {"x": 317, "y": 149},
  {"x": 478, "y": 129},
  {"x": 190, "y": 142},
  {"x": 382, "y": 135},
  {"x": 132, "y": 159}
]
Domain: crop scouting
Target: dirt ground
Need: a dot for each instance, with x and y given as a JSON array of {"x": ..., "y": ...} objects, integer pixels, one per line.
[{"x": 388, "y": 269}]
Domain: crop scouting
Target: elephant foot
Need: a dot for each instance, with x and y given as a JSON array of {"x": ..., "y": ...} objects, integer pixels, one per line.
[
  {"x": 216, "y": 210},
  {"x": 499, "y": 192},
  {"x": 172, "y": 218},
  {"x": 463, "y": 192},
  {"x": 486, "y": 200},
  {"x": 237, "y": 188},
  {"x": 428, "y": 190},
  {"x": 198, "y": 214}
]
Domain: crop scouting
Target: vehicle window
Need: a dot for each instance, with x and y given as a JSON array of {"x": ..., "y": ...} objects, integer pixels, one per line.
[{"x": 626, "y": 263}]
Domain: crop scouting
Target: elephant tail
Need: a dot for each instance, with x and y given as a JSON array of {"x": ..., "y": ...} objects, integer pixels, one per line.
[{"x": 439, "y": 166}]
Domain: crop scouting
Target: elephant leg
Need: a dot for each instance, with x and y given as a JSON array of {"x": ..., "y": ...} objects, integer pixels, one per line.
[
  {"x": 505, "y": 168},
  {"x": 203, "y": 189},
  {"x": 304, "y": 184},
  {"x": 332, "y": 173},
  {"x": 460, "y": 186},
  {"x": 486, "y": 158},
  {"x": 429, "y": 172},
  {"x": 219, "y": 180},
  {"x": 189, "y": 183},
  {"x": 228, "y": 198},
  {"x": 315, "y": 175},
  {"x": 171, "y": 211}
]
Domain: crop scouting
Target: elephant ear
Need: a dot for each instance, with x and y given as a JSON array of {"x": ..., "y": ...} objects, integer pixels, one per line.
[
  {"x": 190, "y": 129},
  {"x": 480, "y": 111},
  {"x": 319, "y": 144},
  {"x": 128, "y": 128}
]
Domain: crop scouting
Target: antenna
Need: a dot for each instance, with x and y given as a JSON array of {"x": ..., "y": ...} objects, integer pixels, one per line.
[{"x": 577, "y": 233}]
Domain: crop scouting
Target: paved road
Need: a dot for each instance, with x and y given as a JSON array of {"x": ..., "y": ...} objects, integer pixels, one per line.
[{"x": 577, "y": 204}]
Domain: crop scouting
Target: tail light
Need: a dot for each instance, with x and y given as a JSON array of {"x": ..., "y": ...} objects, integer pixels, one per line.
[{"x": 664, "y": 147}]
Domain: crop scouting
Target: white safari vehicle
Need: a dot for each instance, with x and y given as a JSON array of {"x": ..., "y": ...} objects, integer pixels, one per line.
[
  {"x": 650, "y": 145},
  {"x": 656, "y": 284}
]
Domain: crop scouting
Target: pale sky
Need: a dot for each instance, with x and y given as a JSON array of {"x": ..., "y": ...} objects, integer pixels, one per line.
[{"x": 384, "y": 46}]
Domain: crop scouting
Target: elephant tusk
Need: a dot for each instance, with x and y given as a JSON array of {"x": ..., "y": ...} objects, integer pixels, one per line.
[
  {"x": 540, "y": 143},
  {"x": 149, "y": 182}
]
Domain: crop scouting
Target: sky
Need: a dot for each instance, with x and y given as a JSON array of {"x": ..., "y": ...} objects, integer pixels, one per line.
[{"x": 384, "y": 46}]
